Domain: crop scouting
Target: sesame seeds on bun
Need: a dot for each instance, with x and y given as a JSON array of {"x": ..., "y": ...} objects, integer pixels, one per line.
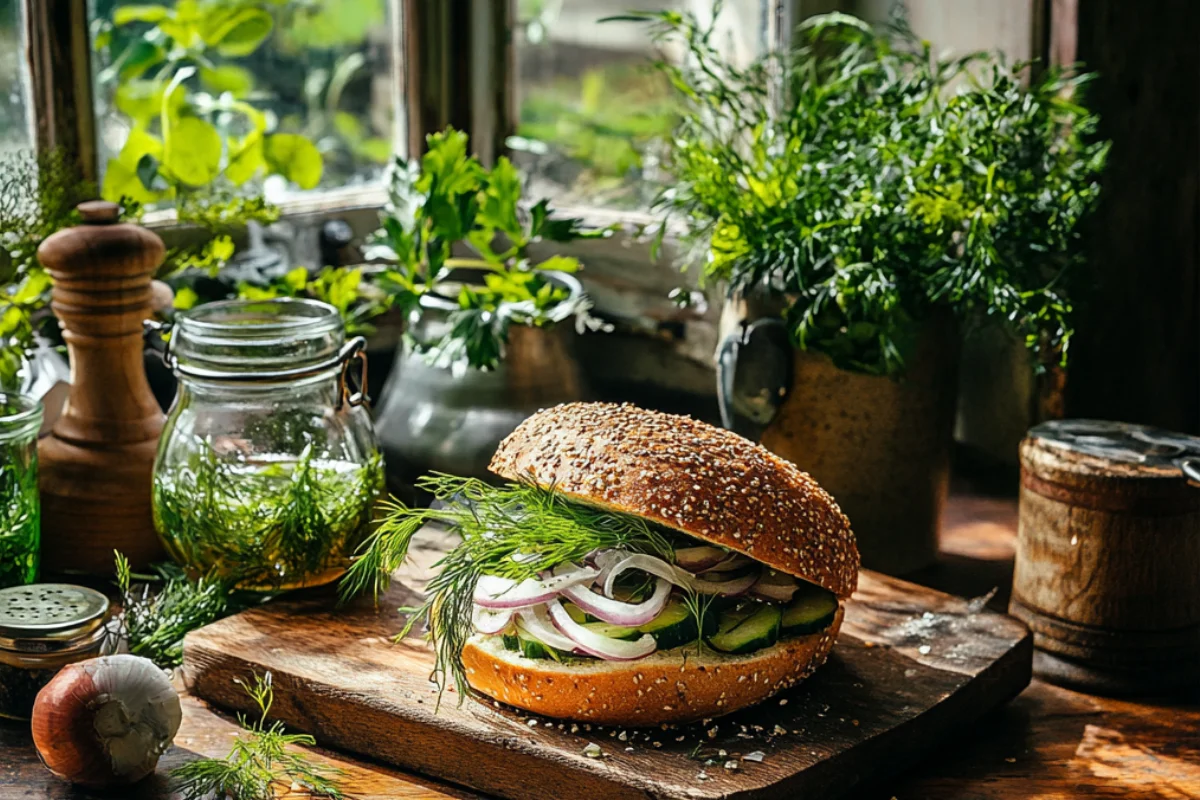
[{"x": 706, "y": 482}]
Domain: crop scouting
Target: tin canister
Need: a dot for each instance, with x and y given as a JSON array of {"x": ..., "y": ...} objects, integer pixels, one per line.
[{"x": 1108, "y": 556}]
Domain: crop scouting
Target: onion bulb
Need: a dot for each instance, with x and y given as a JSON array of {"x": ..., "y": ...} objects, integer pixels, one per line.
[{"x": 105, "y": 722}]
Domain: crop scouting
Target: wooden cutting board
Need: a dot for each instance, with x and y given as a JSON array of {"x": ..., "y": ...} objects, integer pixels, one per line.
[{"x": 911, "y": 667}]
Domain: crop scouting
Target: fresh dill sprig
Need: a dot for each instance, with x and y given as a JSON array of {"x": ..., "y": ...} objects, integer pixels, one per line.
[
  {"x": 260, "y": 766},
  {"x": 156, "y": 622},
  {"x": 699, "y": 606},
  {"x": 514, "y": 531}
]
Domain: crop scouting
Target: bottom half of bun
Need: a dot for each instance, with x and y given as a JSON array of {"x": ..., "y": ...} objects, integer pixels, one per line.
[{"x": 679, "y": 685}]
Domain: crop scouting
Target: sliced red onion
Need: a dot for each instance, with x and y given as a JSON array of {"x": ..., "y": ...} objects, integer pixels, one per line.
[
  {"x": 490, "y": 622},
  {"x": 776, "y": 586},
  {"x": 698, "y": 559},
  {"x": 617, "y": 612},
  {"x": 595, "y": 644},
  {"x": 536, "y": 623},
  {"x": 728, "y": 588},
  {"x": 646, "y": 563},
  {"x": 495, "y": 592},
  {"x": 605, "y": 560}
]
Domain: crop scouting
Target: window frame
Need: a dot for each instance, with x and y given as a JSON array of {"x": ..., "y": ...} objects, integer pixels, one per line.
[
  {"x": 62, "y": 110},
  {"x": 453, "y": 63}
]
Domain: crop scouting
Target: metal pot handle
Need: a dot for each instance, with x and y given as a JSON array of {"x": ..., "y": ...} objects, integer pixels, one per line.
[
  {"x": 1190, "y": 467},
  {"x": 728, "y": 353}
]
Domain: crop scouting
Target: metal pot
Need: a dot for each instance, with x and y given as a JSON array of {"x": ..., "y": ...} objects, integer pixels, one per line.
[
  {"x": 430, "y": 419},
  {"x": 881, "y": 446}
]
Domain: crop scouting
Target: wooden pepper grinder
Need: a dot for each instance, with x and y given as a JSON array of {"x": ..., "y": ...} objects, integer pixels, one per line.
[{"x": 95, "y": 470}]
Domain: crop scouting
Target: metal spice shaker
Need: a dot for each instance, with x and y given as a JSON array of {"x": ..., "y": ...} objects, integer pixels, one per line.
[{"x": 44, "y": 627}]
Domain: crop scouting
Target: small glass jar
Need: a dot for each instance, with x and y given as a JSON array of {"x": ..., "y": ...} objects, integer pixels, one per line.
[
  {"x": 43, "y": 628},
  {"x": 268, "y": 468},
  {"x": 20, "y": 513}
]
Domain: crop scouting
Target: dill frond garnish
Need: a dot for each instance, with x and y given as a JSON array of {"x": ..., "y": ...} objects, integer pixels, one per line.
[
  {"x": 514, "y": 531},
  {"x": 260, "y": 766},
  {"x": 155, "y": 620}
]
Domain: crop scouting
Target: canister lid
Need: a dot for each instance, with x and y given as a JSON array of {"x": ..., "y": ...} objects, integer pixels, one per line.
[
  {"x": 1123, "y": 447},
  {"x": 51, "y": 611}
]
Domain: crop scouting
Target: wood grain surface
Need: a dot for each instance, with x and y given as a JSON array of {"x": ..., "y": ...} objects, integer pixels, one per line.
[
  {"x": 911, "y": 665},
  {"x": 1050, "y": 743}
]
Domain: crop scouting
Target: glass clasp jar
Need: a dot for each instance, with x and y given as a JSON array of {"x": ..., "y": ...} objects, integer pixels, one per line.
[
  {"x": 268, "y": 467},
  {"x": 43, "y": 628},
  {"x": 20, "y": 510}
]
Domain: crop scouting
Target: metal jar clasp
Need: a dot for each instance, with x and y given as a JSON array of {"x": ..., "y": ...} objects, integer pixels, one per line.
[{"x": 353, "y": 350}]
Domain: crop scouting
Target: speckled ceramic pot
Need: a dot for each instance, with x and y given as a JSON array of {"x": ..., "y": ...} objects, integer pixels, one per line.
[{"x": 881, "y": 446}]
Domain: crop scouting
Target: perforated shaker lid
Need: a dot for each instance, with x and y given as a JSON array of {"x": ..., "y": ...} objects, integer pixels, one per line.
[{"x": 51, "y": 611}]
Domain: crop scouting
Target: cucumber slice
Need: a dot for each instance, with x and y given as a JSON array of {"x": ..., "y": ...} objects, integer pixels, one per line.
[
  {"x": 759, "y": 630},
  {"x": 675, "y": 626},
  {"x": 812, "y": 609},
  {"x": 531, "y": 648},
  {"x": 576, "y": 613},
  {"x": 612, "y": 631}
]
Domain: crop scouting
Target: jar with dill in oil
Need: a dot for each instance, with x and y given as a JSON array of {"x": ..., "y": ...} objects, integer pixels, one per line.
[
  {"x": 20, "y": 518},
  {"x": 268, "y": 468}
]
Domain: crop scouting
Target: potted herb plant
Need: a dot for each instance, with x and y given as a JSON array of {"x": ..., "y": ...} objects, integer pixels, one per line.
[
  {"x": 486, "y": 344},
  {"x": 872, "y": 200}
]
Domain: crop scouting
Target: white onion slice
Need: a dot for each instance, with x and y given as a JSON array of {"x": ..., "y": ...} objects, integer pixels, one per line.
[
  {"x": 489, "y": 621},
  {"x": 646, "y": 563},
  {"x": 698, "y": 559},
  {"x": 605, "y": 560},
  {"x": 595, "y": 644},
  {"x": 617, "y": 612},
  {"x": 498, "y": 593},
  {"x": 536, "y": 623},
  {"x": 776, "y": 586},
  {"x": 731, "y": 562},
  {"x": 727, "y": 588}
]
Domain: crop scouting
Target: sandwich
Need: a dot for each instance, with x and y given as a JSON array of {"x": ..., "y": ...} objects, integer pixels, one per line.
[{"x": 638, "y": 568}]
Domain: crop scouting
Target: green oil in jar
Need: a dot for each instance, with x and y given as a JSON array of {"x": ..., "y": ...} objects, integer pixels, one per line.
[
  {"x": 265, "y": 522},
  {"x": 20, "y": 523}
]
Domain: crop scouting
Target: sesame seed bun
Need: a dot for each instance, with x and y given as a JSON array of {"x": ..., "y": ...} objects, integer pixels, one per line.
[
  {"x": 680, "y": 685},
  {"x": 706, "y": 482}
]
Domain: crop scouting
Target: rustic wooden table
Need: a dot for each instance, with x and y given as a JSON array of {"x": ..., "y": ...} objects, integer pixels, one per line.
[{"x": 1050, "y": 743}]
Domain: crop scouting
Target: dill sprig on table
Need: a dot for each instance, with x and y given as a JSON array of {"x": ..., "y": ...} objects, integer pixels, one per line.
[
  {"x": 260, "y": 766},
  {"x": 155, "y": 620},
  {"x": 515, "y": 531}
]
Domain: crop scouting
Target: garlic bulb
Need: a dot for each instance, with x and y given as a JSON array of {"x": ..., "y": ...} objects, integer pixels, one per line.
[{"x": 106, "y": 721}]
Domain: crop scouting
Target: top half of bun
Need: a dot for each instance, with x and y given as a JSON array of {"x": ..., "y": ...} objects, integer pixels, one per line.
[{"x": 706, "y": 482}]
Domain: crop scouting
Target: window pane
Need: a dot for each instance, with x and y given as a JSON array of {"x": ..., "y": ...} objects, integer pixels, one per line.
[
  {"x": 14, "y": 121},
  {"x": 282, "y": 94},
  {"x": 962, "y": 26},
  {"x": 589, "y": 105}
]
